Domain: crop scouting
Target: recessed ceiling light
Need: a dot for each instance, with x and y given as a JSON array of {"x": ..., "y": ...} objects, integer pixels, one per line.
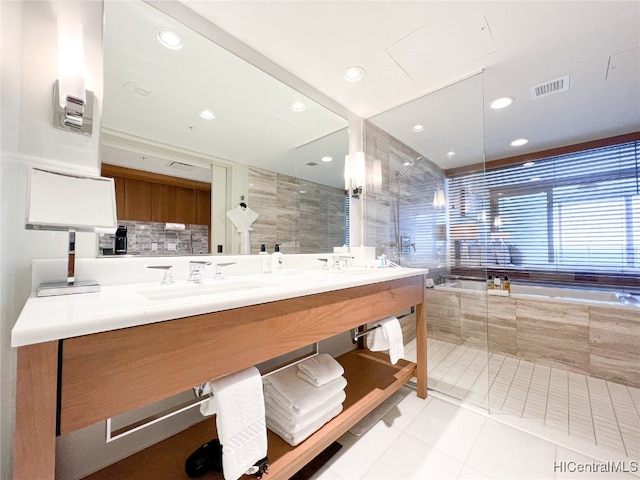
[
  {"x": 206, "y": 114},
  {"x": 354, "y": 73},
  {"x": 327, "y": 159},
  {"x": 297, "y": 106},
  {"x": 519, "y": 142},
  {"x": 418, "y": 127},
  {"x": 451, "y": 153},
  {"x": 528, "y": 164},
  {"x": 170, "y": 39},
  {"x": 502, "y": 102}
]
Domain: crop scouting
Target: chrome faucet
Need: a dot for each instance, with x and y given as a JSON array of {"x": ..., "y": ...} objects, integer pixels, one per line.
[
  {"x": 219, "y": 275},
  {"x": 168, "y": 278},
  {"x": 195, "y": 270}
]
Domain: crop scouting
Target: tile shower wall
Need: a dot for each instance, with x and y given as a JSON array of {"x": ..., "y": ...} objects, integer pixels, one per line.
[
  {"x": 414, "y": 192},
  {"x": 309, "y": 222},
  {"x": 151, "y": 239},
  {"x": 599, "y": 341}
]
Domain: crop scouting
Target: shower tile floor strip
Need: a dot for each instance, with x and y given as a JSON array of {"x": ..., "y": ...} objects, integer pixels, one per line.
[{"x": 551, "y": 402}]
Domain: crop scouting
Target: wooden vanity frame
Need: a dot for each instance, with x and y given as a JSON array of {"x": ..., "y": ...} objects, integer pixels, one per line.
[{"x": 68, "y": 384}]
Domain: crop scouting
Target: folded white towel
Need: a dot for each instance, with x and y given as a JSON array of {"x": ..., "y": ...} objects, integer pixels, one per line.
[
  {"x": 388, "y": 336},
  {"x": 294, "y": 423},
  {"x": 296, "y": 395},
  {"x": 240, "y": 421},
  {"x": 294, "y": 439},
  {"x": 319, "y": 369}
]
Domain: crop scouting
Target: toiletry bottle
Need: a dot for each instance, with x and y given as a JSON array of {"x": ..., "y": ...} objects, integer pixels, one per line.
[
  {"x": 276, "y": 258},
  {"x": 506, "y": 284},
  {"x": 490, "y": 285},
  {"x": 497, "y": 283},
  {"x": 263, "y": 249},
  {"x": 383, "y": 261}
]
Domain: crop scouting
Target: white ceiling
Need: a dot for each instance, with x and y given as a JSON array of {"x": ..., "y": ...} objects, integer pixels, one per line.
[
  {"x": 412, "y": 48},
  {"x": 425, "y": 51}
]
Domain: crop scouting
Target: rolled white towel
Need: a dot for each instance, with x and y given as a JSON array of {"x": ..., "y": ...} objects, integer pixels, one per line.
[
  {"x": 297, "y": 395},
  {"x": 295, "y": 423},
  {"x": 388, "y": 336},
  {"x": 319, "y": 369},
  {"x": 294, "y": 439}
]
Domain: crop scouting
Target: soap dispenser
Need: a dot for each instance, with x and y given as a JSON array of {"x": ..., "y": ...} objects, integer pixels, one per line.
[{"x": 276, "y": 258}]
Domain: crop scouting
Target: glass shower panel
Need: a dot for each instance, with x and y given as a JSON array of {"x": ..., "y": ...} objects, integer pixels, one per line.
[{"x": 425, "y": 212}]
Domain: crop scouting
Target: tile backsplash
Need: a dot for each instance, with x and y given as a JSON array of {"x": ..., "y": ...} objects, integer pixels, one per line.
[{"x": 152, "y": 238}]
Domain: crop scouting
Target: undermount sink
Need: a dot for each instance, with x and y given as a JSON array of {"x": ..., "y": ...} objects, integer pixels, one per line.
[{"x": 186, "y": 290}]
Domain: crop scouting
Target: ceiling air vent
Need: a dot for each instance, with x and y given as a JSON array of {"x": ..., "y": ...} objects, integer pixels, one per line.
[
  {"x": 311, "y": 164},
  {"x": 181, "y": 166},
  {"x": 552, "y": 86}
]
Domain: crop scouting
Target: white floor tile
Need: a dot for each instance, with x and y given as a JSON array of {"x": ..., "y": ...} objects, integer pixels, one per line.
[
  {"x": 359, "y": 453},
  {"x": 502, "y": 451},
  {"x": 449, "y": 428},
  {"x": 409, "y": 458}
]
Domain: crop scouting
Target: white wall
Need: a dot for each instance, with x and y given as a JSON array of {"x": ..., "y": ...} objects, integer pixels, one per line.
[{"x": 28, "y": 71}]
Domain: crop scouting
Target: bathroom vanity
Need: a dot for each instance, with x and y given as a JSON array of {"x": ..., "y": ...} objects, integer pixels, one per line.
[{"x": 85, "y": 358}]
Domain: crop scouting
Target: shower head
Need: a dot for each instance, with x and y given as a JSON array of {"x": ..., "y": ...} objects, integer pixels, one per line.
[{"x": 410, "y": 166}]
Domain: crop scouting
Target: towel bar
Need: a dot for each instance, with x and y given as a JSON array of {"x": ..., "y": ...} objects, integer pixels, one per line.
[
  {"x": 148, "y": 421},
  {"x": 356, "y": 334}
]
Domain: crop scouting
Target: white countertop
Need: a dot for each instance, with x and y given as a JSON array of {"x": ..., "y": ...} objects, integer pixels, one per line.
[{"x": 120, "y": 306}]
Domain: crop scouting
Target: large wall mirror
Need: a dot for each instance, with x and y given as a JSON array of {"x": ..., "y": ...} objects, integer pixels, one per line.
[{"x": 209, "y": 123}]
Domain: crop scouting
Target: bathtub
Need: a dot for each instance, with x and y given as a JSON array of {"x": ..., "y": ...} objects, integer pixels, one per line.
[
  {"x": 592, "y": 332},
  {"x": 564, "y": 293}
]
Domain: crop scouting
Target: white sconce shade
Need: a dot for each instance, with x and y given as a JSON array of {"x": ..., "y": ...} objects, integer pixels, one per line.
[
  {"x": 497, "y": 221},
  {"x": 439, "y": 199},
  {"x": 347, "y": 173},
  {"x": 71, "y": 66},
  {"x": 72, "y": 104},
  {"x": 377, "y": 175},
  {"x": 359, "y": 170}
]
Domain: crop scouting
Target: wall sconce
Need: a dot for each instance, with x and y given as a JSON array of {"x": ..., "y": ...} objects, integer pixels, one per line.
[
  {"x": 72, "y": 203},
  {"x": 72, "y": 104},
  {"x": 497, "y": 222},
  {"x": 439, "y": 199},
  {"x": 377, "y": 175},
  {"x": 355, "y": 174}
]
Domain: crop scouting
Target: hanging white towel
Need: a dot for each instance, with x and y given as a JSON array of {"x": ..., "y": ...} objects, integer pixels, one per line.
[
  {"x": 242, "y": 218},
  {"x": 297, "y": 395},
  {"x": 388, "y": 336},
  {"x": 319, "y": 369},
  {"x": 240, "y": 421}
]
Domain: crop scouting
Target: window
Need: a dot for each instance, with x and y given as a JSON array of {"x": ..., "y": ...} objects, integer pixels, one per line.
[{"x": 574, "y": 212}]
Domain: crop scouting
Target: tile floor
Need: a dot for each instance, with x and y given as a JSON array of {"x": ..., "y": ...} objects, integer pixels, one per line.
[
  {"x": 439, "y": 438},
  {"x": 546, "y": 423}
]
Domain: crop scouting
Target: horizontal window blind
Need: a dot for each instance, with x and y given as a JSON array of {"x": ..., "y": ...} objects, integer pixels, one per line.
[{"x": 575, "y": 212}]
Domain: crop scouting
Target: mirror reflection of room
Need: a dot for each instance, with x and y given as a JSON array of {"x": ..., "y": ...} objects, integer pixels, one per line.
[{"x": 169, "y": 119}]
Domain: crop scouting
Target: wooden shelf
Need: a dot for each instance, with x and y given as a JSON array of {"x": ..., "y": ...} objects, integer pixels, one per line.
[{"x": 370, "y": 380}]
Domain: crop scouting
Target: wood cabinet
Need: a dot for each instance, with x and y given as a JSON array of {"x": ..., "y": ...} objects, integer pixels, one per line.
[
  {"x": 67, "y": 384},
  {"x": 150, "y": 197},
  {"x": 137, "y": 200},
  {"x": 163, "y": 203}
]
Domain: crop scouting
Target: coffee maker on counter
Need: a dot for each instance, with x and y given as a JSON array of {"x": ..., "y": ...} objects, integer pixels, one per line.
[{"x": 121, "y": 240}]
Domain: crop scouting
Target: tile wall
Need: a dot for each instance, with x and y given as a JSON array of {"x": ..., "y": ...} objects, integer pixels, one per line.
[
  {"x": 309, "y": 222},
  {"x": 596, "y": 340},
  {"x": 152, "y": 239}
]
